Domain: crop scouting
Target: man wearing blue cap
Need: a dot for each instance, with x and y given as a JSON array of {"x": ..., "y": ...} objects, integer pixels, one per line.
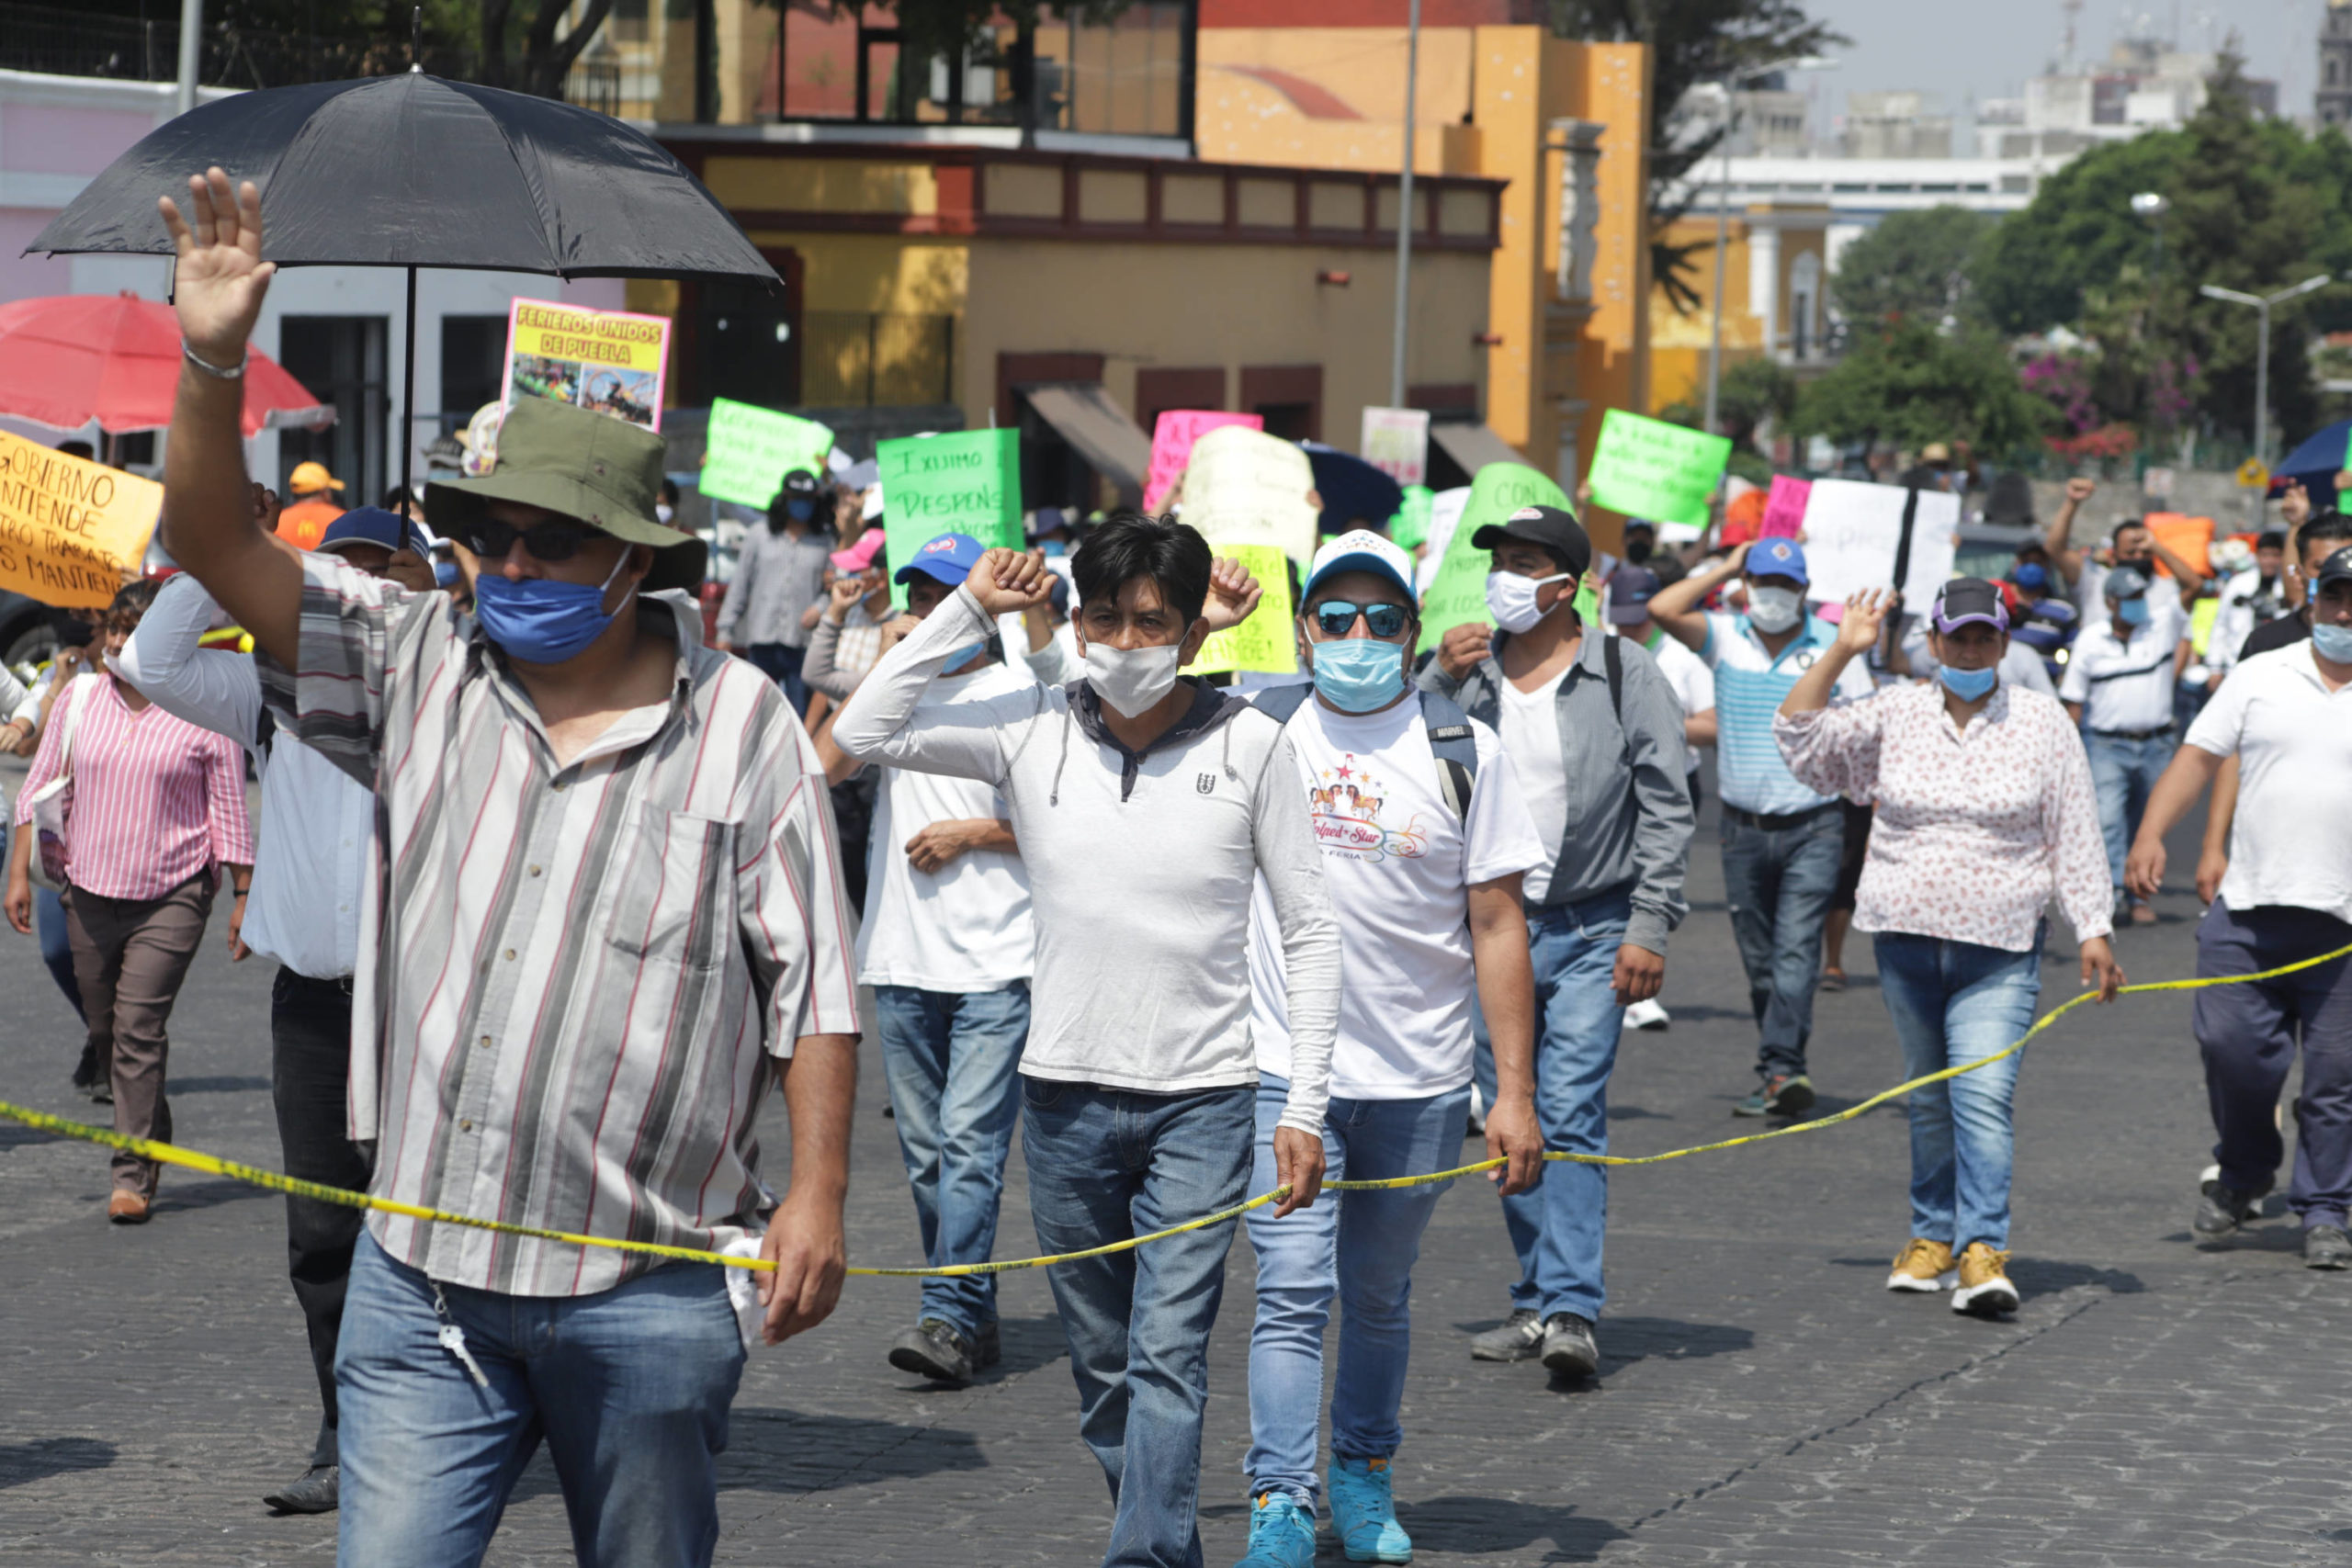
[
  {"x": 1783, "y": 841},
  {"x": 949, "y": 947},
  {"x": 303, "y": 911}
]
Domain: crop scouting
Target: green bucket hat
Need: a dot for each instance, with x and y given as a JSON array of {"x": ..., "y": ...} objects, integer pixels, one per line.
[{"x": 604, "y": 471}]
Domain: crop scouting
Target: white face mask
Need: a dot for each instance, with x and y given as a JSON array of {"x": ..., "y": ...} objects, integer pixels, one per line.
[
  {"x": 1774, "y": 609},
  {"x": 1510, "y": 599},
  {"x": 662, "y": 513},
  {"x": 1132, "y": 679}
]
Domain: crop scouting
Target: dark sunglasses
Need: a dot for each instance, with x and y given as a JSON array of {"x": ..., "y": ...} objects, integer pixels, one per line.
[
  {"x": 557, "y": 539},
  {"x": 1336, "y": 618}
]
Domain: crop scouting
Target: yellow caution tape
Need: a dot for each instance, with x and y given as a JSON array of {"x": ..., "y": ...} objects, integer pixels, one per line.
[{"x": 191, "y": 1159}]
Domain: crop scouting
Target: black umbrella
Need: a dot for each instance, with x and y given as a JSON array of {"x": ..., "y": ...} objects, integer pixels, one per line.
[
  {"x": 1353, "y": 491},
  {"x": 412, "y": 171}
]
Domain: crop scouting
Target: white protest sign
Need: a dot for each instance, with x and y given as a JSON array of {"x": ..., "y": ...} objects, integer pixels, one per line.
[
  {"x": 1445, "y": 513},
  {"x": 1245, "y": 487},
  {"x": 1396, "y": 441},
  {"x": 1853, "y": 531}
]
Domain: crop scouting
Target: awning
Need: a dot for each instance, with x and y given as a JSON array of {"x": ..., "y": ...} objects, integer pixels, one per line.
[
  {"x": 1473, "y": 445},
  {"x": 1087, "y": 417}
]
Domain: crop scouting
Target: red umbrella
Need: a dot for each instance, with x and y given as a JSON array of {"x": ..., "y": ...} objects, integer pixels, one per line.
[{"x": 72, "y": 359}]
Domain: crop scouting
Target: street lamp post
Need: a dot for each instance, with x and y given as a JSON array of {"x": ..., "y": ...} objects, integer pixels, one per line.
[
  {"x": 1405, "y": 216},
  {"x": 2262, "y": 304}
]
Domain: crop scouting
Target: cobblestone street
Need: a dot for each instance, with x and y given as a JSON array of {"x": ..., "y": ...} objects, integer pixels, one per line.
[{"x": 1762, "y": 1399}]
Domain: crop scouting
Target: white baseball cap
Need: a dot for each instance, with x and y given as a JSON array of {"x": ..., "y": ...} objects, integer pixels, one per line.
[{"x": 1361, "y": 549}]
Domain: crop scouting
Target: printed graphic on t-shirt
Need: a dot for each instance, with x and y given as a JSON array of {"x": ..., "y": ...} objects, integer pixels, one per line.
[{"x": 1347, "y": 804}]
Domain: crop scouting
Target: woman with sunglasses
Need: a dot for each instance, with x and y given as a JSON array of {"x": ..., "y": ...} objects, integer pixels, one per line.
[
  {"x": 1424, "y": 836},
  {"x": 1984, "y": 811},
  {"x": 157, "y": 813}
]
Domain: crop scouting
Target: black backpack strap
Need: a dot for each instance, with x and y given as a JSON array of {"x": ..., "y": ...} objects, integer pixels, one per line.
[
  {"x": 1456, "y": 746},
  {"x": 1279, "y": 703},
  {"x": 1615, "y": 659}
]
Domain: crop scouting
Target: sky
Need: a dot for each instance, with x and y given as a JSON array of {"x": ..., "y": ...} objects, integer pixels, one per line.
[{"x": 1987, "y": 48}]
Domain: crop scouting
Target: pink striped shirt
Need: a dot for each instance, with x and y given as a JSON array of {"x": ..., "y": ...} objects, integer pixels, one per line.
[{"x": 155, "y": 799}]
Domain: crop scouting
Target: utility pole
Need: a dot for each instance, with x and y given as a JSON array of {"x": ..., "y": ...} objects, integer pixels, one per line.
[
  {"x": 1405, "y": 213},
  {"x": 2262, "y": 304},
  {"x": 191, "y": 50}
]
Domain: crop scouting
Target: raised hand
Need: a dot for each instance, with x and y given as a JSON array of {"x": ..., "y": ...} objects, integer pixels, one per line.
[
  {"x": 1866, "y": 614},
  {"x": 1233, "y": 594},
  {"x": 1464, "y": 647},
  {"x": 1008, "y": 581},
  {"x": 2080, "y": 489},
  {"x": 220, "y": 279}
]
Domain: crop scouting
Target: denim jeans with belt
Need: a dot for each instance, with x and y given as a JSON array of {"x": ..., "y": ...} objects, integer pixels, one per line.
[
  {"x": 1956, "y": 1002},
  {"x": 1104, "y": 1164},
  {"x": 1358, "y": 1247},
  {"x": 950, "y": 1058},
  {"x": 2123, "y": 771},
  {"x": 629, "y": 1387},
  {"x": 1556, "y": 1226},
  {"x": 1778, "y": 883}
]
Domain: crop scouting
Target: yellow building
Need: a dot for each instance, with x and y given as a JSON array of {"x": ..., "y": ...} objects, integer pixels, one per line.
[
  {"x": 1776, "y": 268},
  {"x": 1074, "y": 295},
  {"x": 1564, "y": 124}
]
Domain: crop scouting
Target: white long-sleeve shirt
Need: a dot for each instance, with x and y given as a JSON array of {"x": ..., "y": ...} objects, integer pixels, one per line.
[
  {"x": 311, "y": 872},
  {"x": 1140, "y": 871}
]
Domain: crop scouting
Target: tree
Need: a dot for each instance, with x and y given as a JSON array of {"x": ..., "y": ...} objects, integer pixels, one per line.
[
  {"x": 1691, "y": 42},
  {"x": 1751, "y": 391},
  {"x": 1913, "y": 264},
  {"x": 1912, "y": 383}
]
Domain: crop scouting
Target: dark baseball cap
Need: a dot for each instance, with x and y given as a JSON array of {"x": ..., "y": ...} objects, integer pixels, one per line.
[
  {"x": 948, "y": 559},
  {"x": 2336, "y": 568},
  {"x": 1630, "y": 592},
  {"x": 1966, "y": 599},
  {"x": 2126, "y": 581},
  {"x": 799, "y": 484},
  {"x": 1553, "y": 528},
  {"x": 371, "y": 526}
]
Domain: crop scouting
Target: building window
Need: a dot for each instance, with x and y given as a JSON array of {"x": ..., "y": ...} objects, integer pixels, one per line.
[
  {"x": 473, "y": 357},
  {"x": 339, "y": 360},
  {"x": 1289, "y": 398},
  {"x": 1157, "y": 390}
]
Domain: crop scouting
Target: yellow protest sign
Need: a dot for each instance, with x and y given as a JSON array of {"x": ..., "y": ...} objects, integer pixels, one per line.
[
  {"x": 606, "y": 360},
  {"x": 71, "y": 530},
  {"x": 1267, "y": 642}
]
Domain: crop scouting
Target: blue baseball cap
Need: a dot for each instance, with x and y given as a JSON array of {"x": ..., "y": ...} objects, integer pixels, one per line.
[
  {"x": 948, "y": 559},
  {"x": 372, "y": 525},
  {"x": 1776, "y": 558}
]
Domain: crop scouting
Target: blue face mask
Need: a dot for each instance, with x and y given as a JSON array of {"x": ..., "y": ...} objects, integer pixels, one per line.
[
  {"x": 963, "y": 656},
  {"x": 540, "y": 620},
  {"x": 2334, "y": 642},
  {"x": 1056, "y": 547},
  {"x": 2132, "y": 612},
  {"x": 2032, "y": 576},
  {"x": 1358, "y": 674},
  {"x": 1967, "y": 684}
]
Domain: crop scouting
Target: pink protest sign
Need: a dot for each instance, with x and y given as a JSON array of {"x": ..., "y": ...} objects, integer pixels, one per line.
[
  {"x": 1784, "y": 507},
  {"x": 1172, "y": 436}
]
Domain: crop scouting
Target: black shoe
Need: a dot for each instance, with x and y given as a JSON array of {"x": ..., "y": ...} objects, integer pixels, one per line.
[
  {"x": 2221, "y": 1209},
  {"x": 318, "y": 1492},
  {"x": 933, "y": 1349},
  {"x": 1783, "y": 1094},
  {"x": 1568, "y": 1346},
  {"x": 2326, "y": 1246},
  {"x": 987, "y": 1348},
  {"x": 1519, "y": 1338}
]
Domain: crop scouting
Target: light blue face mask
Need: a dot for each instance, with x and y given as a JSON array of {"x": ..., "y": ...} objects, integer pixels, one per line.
[
  {"x": 1358, "y": 674},
  {"x": 1967, "y": 684},
  {"x": 963, "y": 656},
  {"x": 540, "y": 620},
  {"x": 2334, "y": 642},
  {"x": 2132, "y": 612}
]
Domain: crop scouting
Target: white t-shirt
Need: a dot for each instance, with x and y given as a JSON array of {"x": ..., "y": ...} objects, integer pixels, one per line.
[
  {"x": 1398, "y": 865},
  {"x": 1693, "y": 682},
  {"x": 964, "y": 926},
  {"x": 2290, "y": 842},
  {"x": 2122, "y": 685},
  {"x": 1529, "y": 725}
]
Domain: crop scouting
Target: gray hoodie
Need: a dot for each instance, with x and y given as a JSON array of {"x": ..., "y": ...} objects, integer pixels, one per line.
[{"x": 1141, "y": 868}]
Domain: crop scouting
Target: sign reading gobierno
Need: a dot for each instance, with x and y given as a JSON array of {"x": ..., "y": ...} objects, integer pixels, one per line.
[{"x": 72, "y": 531}]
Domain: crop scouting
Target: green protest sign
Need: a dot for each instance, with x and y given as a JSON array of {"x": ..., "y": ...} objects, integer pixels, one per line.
[
  {"x": 750, "y": 449},
  {"x": 1647, "y": 468},
  {"x": 1459, "y": 594},
  {"x": 1411, "y": 524},
  {"x": 1266, "y": 642},
  {"x": 965, "y": 481}
]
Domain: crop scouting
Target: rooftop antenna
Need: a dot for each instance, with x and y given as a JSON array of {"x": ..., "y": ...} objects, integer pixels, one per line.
[{"x": 2072, "y": 9}]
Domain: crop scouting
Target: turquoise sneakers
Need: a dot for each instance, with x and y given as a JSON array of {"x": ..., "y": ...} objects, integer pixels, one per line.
[
  {"x": 1282, "y": 1533},
  {"x": 1363, "y": 1512}
]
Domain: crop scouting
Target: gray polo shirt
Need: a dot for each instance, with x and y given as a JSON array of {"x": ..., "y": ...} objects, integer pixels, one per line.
[{"x": 776, "y": 579}]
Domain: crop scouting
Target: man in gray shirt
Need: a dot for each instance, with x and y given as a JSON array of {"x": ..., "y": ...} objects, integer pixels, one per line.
[
  {"x": 1594, "y": 732},
  {"x": 779, "y": 574}
]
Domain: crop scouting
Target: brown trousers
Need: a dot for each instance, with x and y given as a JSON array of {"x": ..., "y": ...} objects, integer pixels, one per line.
[{"x": 130, "y": 956}]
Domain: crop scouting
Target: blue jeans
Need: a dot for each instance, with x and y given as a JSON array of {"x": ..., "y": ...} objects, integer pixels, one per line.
[
  {"x": 1556, "y": 1226},
  {"x": 949, "y": 1057},
  {"x": 1778, "y": 884},
  {"x": 629, "y": 1387},
  {"x": 1358, "y": 1246},
  {"x": 2123, "y": 771},
  {"x": 1108, "y": 1164},
  {"x": 781, "y": 662},
  {"x": 56, "y": 948},
  {"x": 1955, "y": 1002}
]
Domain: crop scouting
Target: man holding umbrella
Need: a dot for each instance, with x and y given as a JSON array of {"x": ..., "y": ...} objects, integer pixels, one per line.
[{"x": 609, "y": 914}]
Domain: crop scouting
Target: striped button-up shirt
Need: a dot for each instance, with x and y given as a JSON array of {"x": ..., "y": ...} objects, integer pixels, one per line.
[
  {"x": 579, "y": 974},
  {"x": 155, "y": 800}
]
